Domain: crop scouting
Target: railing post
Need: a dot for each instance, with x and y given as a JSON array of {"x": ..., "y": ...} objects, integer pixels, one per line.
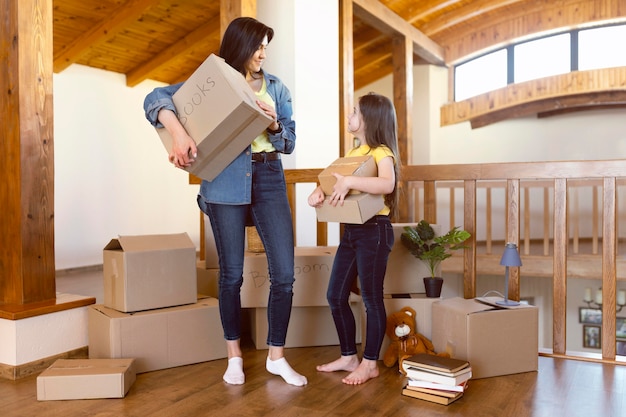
[{"x": 559, "y": 284}]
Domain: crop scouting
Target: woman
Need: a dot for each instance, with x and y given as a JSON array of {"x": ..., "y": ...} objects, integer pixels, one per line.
[{"x": 251, "y": 190}]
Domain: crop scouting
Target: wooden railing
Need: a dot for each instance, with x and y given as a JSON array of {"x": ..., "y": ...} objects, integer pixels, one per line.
[{"x": 557, "y": 179}]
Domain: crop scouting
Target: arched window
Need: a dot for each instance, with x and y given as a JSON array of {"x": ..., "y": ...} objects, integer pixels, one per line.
[{"x": 579, "y": 49}]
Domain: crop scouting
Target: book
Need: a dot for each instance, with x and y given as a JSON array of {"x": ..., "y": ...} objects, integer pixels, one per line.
[
  {"x": 431, "y": 397},
  {"x": 415, "y": 383},
  {"x": 421, "y": 374},
  {"x": 447, "y": 394},
  {"x": 436, "y": 363}
]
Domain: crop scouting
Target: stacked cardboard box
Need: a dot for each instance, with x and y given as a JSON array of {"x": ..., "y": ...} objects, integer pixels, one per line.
[
  {"x": 149, "y": 271},
  {"x": 151, "y": 310},
  {"x": 357, "y": 207}
]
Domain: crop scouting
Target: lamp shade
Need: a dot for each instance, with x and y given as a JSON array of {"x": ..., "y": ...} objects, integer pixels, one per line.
[{"x": 510, "y": 257}]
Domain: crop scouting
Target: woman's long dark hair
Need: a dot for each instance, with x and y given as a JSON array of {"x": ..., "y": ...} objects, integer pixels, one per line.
[
  {"x": 381, "y": 128},
  {"x": 241, "y": 40}
]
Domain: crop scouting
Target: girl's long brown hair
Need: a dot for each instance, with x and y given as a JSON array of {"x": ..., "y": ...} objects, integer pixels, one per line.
[{"x": 381, "y": 128}]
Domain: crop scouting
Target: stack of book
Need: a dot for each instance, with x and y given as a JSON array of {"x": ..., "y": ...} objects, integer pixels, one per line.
[{"x": 435, "y": 378}]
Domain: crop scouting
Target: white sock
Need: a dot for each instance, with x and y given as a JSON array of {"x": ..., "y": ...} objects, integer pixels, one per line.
[
  {"x": 282, "y": 368},
  {"x": 234, "y": 373}
]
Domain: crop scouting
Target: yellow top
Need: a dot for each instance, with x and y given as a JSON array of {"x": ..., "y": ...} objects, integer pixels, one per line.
[{"x": 262, "y": 142}]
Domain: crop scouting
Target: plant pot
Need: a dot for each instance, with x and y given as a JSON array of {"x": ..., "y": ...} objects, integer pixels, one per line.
[{"x": 433, "y": 286}]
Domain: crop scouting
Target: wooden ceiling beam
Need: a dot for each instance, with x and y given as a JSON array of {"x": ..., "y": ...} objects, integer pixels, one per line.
[
  {"x": 112, "y": 25},
  {"x": 183, "y": 46},
  {"x": 387, "y": 21}
]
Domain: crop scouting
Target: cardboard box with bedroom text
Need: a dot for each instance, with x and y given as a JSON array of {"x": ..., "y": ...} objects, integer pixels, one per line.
[
  {"x": 308, "y": 326},
  {"x": 149, "y": 271},
  {"x": 77, "y": 379},
  {"x": 158, "y": 339},
  {"x": 218, "y": 110},
  {"x": 312, "y": 267},
  {"x": 496, "y": 341}
]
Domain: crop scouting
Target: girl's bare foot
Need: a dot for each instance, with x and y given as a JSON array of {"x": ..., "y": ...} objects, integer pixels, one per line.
[
  {"x": 344, "y": 363},
  {"x": 366, "y": 370}
]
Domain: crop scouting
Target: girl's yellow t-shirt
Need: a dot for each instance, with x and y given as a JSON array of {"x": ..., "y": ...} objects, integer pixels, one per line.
[{"x": 377, "y": 153}]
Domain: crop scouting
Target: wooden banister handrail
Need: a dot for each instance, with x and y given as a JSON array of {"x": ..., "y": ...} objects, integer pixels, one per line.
[
  {"x": 420, "y": 184},
  {"x": 555, "y": 178}
]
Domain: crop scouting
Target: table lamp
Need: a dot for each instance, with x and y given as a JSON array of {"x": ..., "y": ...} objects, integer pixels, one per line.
[{"x": 510, "y": 257}]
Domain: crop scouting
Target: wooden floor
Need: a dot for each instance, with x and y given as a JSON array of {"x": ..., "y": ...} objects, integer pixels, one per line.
[{"x": 560, "y": 388}]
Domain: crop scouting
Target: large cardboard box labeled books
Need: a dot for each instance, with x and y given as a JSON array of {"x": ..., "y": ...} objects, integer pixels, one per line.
[
  {"x": 218, "y": 110},
  {"x": 357, "y": 208},
  {"x": 496, "y": 341},
  {"x": 76, "y": 379},
  {"x": 158, "y": 339},
  {"x": 149, "y": 271}
]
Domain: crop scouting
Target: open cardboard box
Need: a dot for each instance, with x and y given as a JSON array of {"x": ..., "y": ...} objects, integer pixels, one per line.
[
  {"x": 218, "y": 110},
  {"x": 149, "y": 271}
]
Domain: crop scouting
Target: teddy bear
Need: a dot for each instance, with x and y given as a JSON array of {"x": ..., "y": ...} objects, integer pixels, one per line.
[{"x": 404, "y": 339}]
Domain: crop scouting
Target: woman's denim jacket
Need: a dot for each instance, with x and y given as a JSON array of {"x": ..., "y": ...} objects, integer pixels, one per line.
[{"x": 233, "y": 185}]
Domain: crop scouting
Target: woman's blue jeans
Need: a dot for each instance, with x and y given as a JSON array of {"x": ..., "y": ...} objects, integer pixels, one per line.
[
  {"x": 271, "y": 214},
  {"x": 363, "y": 252}
]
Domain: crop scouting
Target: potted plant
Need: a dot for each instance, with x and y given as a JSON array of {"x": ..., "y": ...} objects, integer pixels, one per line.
[{"x": 423, "y": 244}]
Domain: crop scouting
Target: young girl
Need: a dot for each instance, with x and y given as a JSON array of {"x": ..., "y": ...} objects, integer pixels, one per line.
[{"x": 364, "y": 248}]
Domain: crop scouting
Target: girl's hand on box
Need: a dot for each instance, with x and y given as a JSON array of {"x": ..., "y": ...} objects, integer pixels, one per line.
[
  {"x": 316, "y": 199},
  {"x": 340, "y": 189}
]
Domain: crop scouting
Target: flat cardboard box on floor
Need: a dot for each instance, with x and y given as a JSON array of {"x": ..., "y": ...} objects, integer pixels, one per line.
[
  {"x": 312, "y": 267},
  {"x": 360, "y": 166},
  {"x": 308, "y": 326},
  {"x": 77, "y": 379},
  {"x": 149, "y": 271},
  {"x": 158, "y": 339},
  {"x": 218, "y": 110},
  {"x": 496, "y": 341},
  {"x": 356, "y": 209}
]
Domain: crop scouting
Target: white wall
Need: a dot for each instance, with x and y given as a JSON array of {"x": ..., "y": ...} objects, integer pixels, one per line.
[
  {"x": 112, "y": 176},
  {"x": 307, "y": 60}
]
